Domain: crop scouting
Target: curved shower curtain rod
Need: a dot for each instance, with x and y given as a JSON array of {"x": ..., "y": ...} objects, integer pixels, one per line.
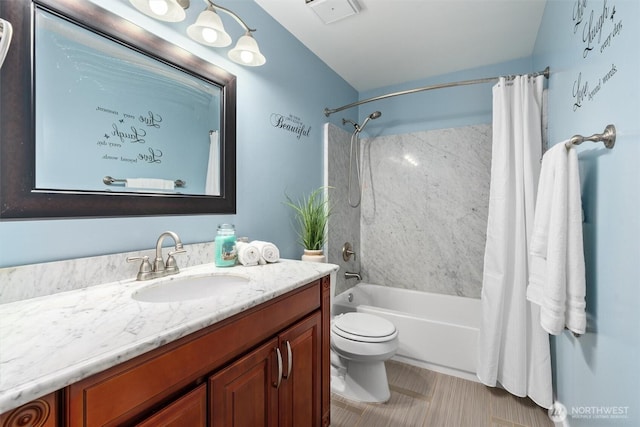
[{"x": 329, "y": 111}]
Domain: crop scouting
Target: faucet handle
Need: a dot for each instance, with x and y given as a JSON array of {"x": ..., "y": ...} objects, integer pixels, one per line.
[
  {"x": 145, "y": 260},
  {"x": 146, "y": 271},
  {"x": 171, "y": 266},
  {"x": 347, "y": 252}
]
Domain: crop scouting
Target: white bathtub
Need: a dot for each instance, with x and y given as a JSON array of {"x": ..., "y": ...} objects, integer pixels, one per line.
[{"x": 436, "y": 331}]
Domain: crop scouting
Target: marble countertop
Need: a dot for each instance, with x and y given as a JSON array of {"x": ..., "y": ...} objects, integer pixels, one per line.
[{"x": 49, "y": 342}]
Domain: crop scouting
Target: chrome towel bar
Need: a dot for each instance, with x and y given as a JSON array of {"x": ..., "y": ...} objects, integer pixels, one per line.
[
  {"x": 109, "y": 180},
  {"x": 608, "y": 137}
]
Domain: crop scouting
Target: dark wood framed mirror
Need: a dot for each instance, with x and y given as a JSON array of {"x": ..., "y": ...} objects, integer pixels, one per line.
[{"x": 23, "y": 196}]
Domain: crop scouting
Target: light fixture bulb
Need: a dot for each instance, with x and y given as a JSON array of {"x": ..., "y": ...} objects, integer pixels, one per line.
[
  {"x": 164, "y": 10},
  {"x": 209, "y": 35},
  {"x": 159, "y": 7},
  {"x": 246, "y": 56}
]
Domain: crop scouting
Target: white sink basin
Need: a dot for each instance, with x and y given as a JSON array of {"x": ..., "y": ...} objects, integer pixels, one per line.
[{"x": 176, "y": 288}]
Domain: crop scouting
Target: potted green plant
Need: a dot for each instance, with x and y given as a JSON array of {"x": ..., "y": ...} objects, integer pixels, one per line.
[{"x": 311, "y": 213}]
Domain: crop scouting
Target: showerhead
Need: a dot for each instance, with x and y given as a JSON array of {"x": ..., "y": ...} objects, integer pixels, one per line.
[
  {"x": 371, "y": 116},
  {"x": 359, "y": 128}
]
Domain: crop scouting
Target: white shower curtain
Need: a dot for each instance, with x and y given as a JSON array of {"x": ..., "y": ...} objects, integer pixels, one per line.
[
  {"x": 212, "y": 183},
  {"x": 513, "y": 347}
]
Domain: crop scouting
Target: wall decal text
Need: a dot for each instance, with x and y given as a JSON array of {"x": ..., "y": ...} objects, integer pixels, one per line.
[
  {"x": 583, "y": 91},
  {"x": 290, "y": 123},
  {"x": 130, "y": 129},
  {"x": 598, "y": 24}
]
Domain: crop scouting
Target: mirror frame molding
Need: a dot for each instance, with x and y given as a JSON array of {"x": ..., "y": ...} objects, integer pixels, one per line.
[{"x": 18, "y": 199}]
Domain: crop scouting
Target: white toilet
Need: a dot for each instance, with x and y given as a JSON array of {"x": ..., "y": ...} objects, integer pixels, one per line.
[{"x": 360, "y": 344}]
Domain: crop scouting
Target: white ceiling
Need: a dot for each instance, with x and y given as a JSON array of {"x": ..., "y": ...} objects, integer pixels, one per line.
[{"x": 397, "y": 41}]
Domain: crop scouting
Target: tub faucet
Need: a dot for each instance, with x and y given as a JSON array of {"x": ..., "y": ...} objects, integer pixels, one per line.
[
  {"x": 350, "y": 275},
  {"x": 159, "y": 267}
]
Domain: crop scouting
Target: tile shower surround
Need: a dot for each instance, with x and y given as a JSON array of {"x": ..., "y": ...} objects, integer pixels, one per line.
[
  {"x": 344, "y": 221},
  {"x": 423, "y": 218}
]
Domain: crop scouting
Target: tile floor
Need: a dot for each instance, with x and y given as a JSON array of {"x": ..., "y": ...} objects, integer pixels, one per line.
[{"x": 423, "y": 398}]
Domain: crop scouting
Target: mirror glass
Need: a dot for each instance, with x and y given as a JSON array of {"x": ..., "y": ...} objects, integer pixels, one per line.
[
  {"x": 109, "y": 118},
  {"x": 103, "y": 118}
]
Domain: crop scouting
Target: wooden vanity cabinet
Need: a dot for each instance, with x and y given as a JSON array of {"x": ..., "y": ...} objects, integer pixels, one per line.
[
  {"x": 245, "y": 393},
  {"x": 224, "y": 375},
  {"x": 300, "y": 390},
  {"x": 276, "y": 385}
]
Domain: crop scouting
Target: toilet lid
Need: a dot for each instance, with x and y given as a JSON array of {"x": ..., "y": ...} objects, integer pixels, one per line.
[{"x": 364, "y": 327}]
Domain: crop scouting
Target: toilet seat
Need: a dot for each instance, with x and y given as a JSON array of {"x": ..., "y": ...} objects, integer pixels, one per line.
[{"x": 363, "y": 327}]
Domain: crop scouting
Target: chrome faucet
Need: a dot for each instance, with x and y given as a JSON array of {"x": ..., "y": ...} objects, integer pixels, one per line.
[
  {"x": 159, "y": 267},
  {"x": 350, "y": 275},
  {"x": 171, "y": 267}
]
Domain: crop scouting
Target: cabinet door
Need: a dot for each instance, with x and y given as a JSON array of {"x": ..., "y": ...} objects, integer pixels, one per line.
[
  {"x": 245, "y": 393},
  {"x": 189, "y": 410},
  {"x": 300, "y": 393}
]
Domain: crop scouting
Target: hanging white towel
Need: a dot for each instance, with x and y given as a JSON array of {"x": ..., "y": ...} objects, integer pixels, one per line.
[
  {"x": 248, "y": 254},
  {"x": 557, "y": 275},
  {"x": 152, "y": 183},
  {"x": 268, "y": 251},
  {"x": 212, "y": 185}
]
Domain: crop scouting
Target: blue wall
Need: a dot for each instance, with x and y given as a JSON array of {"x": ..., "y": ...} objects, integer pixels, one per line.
[
  {"x": 599, "y": 371},
  {"x": 270, "y": 160}
]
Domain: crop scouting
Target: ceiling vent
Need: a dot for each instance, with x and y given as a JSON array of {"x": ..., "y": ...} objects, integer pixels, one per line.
[{"x": 333, "y": 10}]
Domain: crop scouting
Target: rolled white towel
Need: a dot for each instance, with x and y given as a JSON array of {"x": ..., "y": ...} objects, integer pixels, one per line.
[
  {"x": 248, "y": 254},
  {"x": 268, "y": 251}
]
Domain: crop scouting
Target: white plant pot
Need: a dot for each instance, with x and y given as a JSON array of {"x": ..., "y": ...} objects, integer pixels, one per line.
[{"x": 314, "y": 256}]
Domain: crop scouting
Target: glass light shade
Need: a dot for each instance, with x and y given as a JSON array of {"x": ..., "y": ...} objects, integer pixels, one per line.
[
  {"x": 209, "y": 30},
  {"x": 164, "y": 10},
  {"x": 247, "y": 52}
]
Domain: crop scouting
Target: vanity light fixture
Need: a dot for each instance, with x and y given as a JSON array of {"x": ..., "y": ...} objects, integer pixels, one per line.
[{"x": 208, "y": 28}]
